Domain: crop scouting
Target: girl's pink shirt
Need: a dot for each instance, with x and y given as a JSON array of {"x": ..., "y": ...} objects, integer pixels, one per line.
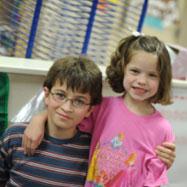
[{"x": 123, "y": 146}]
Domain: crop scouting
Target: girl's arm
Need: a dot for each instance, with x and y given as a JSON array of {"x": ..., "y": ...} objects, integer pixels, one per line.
[{"x": 34, "y": 133}]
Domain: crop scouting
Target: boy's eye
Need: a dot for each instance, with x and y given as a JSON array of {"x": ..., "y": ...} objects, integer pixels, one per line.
[
  {"x": 78, "y": 102},
  {"x": 61, "y": 96}
]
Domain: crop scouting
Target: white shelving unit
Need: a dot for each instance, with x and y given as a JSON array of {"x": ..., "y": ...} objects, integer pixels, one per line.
[{"x": 27, "y": 75}]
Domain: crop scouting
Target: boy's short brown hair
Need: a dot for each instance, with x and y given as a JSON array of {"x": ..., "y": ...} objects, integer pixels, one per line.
[{"x": 79, "y": 73}]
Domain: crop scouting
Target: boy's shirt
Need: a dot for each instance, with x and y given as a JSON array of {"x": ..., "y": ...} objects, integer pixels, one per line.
[
  {"x": 123, "y": 146},
  {"x": 55, "y": 163}
]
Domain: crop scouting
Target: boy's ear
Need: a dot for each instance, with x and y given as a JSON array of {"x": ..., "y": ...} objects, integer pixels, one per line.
[
  {"x": 46, "y": 95},
  {"x": 46, "y": 91},
  {"x": 90, "y": 110}
]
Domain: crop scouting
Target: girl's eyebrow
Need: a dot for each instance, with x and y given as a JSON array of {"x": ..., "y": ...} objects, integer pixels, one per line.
[
  {"x": 154, "y": 71},
  {"x": 134, "y": 67}
]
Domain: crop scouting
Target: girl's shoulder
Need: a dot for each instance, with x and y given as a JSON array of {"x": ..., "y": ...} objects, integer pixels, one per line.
[
  {"x": 111, "y": 99},
  {"x": 108, "y": 105},
  {"x": 161, "y": 122}
]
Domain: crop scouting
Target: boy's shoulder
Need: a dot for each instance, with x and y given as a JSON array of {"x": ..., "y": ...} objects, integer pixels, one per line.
[
  {"x": 82, "y": 138},
  {"x": 15, "y": 128},
  {"x": 84, "y": 134},
  {"x": 12, "y": 137}
]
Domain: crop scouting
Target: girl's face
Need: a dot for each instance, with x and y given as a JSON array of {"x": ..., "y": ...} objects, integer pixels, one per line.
[{"x": 141, "y": 78}]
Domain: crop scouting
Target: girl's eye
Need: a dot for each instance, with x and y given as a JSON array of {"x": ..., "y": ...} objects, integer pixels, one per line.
[
  {"x": 134, "y": 71},
  {"x": 153, "y": 75}
]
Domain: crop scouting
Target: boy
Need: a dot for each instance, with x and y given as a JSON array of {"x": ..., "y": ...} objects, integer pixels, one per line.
[{"x": 72, "y": 87}]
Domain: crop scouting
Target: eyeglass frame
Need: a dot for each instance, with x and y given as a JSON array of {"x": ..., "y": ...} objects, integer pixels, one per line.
[{"x": 56, "y": 96}]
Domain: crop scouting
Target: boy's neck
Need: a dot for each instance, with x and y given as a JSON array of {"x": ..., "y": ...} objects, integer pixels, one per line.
[{"x": 60, "y": 133}]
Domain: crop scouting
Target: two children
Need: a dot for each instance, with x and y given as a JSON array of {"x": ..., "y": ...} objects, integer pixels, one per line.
[
  {"x": 127, "y": 129},
  {"x": 72, "y": 87}
]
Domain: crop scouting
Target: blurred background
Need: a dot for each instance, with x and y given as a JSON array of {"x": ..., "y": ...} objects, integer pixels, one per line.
[
  {"x": 167, "y": 20},
  {"x": 52, "y": 28},
  {"x": 33, "y": 33}
]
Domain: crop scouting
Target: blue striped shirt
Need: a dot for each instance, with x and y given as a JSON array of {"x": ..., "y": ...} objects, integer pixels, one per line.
[{"x": 55, "y": 163}]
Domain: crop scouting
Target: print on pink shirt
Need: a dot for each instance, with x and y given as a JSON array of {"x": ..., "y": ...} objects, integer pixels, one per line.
[{"x": 111, "y": 163}]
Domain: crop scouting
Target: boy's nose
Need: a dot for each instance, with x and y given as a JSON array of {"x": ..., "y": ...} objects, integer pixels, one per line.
[{"x": 67, "y": 105}]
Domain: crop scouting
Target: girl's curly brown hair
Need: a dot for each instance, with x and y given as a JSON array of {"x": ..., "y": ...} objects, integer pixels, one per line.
[{"x": 122, "y": 56}]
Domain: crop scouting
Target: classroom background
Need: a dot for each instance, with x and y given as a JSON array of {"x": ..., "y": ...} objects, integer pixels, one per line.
[{"x": 33, "y": 33}]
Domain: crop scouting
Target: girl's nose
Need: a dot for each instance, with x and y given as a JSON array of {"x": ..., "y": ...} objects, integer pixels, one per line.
[{"x": 142, "y": 79}]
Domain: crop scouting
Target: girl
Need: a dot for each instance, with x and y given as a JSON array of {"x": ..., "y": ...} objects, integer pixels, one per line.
[
  {"x": 127, "y": 129},
  {"x": 123, "y": 143}
]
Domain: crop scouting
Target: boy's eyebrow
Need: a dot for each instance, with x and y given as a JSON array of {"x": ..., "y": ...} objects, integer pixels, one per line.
[
  {"x": 76, "y": 96},
  {"x": 59, "y": 90},
  {"x": 80, "y": 97}
]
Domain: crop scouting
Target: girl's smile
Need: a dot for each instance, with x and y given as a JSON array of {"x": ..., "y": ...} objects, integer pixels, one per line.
[{"x": 141, "y": 78}]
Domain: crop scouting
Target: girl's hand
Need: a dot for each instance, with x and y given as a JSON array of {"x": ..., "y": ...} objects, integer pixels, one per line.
[
  {"x": 166, "y": 153},
  {"x": 34, "y": 133}
]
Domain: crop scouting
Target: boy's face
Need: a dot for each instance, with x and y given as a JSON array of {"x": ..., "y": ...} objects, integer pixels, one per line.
[{"x": 66, "y": 109}]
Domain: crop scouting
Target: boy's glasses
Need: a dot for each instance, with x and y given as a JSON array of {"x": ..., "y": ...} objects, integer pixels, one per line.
[{"x": 61, "y": 98}]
